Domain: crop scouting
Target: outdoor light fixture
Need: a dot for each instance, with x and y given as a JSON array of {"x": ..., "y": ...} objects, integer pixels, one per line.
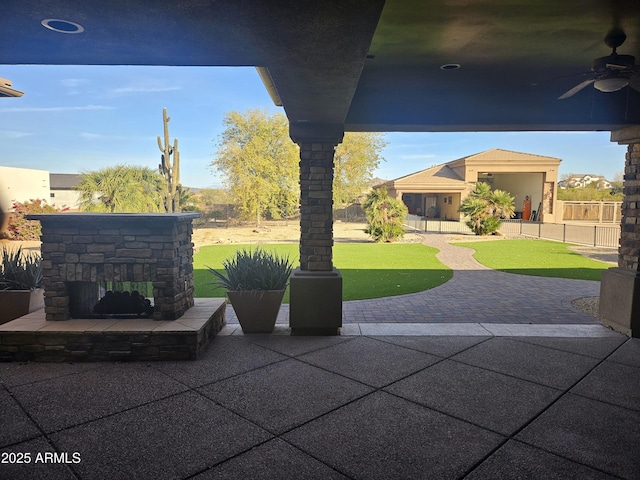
[
  {"x": 62, "y": 26},
  {"x": 7, "y": 91},
  {"x": 612, "y": 84}
]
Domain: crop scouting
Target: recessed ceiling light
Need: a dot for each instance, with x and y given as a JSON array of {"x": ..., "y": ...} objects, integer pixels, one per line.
[
  {"x": 62, "y": 26},
  {"x": 450, "y": 66}
]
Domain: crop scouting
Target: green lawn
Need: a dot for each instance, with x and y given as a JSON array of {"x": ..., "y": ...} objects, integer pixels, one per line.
[
  {"x": 540, "y": 258},
  {"x": 369, "y": 270}
]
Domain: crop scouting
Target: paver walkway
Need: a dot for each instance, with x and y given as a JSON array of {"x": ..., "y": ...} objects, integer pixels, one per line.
[{"x": 475, "y": 294}]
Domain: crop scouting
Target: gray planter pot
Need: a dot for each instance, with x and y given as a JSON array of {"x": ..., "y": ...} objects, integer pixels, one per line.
[
  {"x": 17, "y": 303},
  {"x": 257, "y": 311}
]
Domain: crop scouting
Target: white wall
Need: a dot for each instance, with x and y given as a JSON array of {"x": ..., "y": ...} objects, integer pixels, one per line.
[
  {"x": 22, "y": 184},
  {"x": 65, "y": 198},
  {"x": 519, "y": 185}
]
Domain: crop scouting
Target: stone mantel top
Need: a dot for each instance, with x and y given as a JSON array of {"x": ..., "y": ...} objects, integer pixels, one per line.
[{"x": 110, "y": 217}]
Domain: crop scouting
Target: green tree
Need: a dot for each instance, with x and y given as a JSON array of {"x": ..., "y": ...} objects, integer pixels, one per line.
[
  {"x": 122, "y": 189},
  {"x": 259, "y": 163},
  {"x": 213, "y": 201},
  {"x": 212, "y": 204},
  {"x": 617, "y": 187},
  {"x": 591, "y": 193},
  {"x": 355, "y": 160},
  {"x": 485, "y": 208},
  {"x": 385, "y": 216}
]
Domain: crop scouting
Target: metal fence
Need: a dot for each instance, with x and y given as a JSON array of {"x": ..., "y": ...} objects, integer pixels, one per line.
[{"x": 596, "y": 235}]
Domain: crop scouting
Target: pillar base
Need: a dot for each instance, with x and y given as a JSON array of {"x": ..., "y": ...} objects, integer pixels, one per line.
[
  {"x": 315, "y": 302},
  {"x": 620, "y": 300}
]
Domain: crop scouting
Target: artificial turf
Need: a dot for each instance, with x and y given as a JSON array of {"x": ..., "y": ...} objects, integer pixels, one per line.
[
  {"x": 541, "y": 258},
  {"x": 369, "y": 270}
]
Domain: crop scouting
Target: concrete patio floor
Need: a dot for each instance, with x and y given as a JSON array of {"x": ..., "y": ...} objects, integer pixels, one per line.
[{"x": 273, "y": 406}]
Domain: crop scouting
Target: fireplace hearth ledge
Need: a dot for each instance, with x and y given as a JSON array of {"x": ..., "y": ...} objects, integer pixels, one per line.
[{"x": 32, "y": 338}]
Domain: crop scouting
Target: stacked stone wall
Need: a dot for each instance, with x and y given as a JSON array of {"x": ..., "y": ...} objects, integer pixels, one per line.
[
  {"x": 98, "y": 346},
  {"x": 629, "y": 252},
  {"x": 316, "y": 206},
  {"x": 104, "y": 248}
]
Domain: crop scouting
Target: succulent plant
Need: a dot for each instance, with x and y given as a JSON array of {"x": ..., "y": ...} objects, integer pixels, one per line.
[
  {"x": 254, "y": 270},
  {"x": 20, "y": 270}
]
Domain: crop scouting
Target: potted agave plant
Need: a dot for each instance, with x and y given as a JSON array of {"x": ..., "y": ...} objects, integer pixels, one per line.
[
  {"x": 255, "y": 281},
  {"x": 20, "y": 283}
]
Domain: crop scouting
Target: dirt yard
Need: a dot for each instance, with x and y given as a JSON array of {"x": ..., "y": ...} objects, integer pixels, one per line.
[{"x": 342, "y": 231}]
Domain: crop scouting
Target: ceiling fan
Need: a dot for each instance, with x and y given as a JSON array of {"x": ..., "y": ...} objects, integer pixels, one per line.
[{"x": 613, "y": 72}]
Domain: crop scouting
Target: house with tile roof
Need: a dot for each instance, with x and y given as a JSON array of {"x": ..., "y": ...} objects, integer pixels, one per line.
[
  {"x": 438, "y": 191},
  {"x": 581, "y": 180}
]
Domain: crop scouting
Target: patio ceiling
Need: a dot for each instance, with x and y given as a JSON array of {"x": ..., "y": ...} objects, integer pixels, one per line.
[{"x": 364, "y": 64}]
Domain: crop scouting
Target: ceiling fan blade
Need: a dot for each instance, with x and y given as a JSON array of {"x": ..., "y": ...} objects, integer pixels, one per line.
[
  {"x": 576, "y": 89},
  {"x": 549, "y": 80},
  {"x": 613, "y": 66}
]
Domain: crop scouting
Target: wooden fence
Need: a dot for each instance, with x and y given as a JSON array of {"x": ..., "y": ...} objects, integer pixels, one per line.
[{"x": 592, "y": 212}]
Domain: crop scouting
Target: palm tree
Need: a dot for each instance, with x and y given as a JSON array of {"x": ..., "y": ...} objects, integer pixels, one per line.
[
  {"x": 385, "y": 216},
  {"x": 187, "y": 200},
  {"x": 485, "y": 208},
  {"x": 122, "y": 189}
]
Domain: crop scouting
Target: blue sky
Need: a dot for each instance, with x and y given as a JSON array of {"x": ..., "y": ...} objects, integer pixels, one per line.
[{"x": 81, "y": 118}]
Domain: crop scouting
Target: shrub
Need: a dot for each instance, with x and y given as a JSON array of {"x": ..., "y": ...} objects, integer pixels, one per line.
[
  {"x": 385, "y": 216},
  {"x": 22, "y": 229}
]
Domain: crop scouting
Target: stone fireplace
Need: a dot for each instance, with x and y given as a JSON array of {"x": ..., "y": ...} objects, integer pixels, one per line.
[{"x": 82, "y": 252}]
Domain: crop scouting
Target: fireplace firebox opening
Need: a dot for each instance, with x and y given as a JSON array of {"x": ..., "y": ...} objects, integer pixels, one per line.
[{"x": 110, "y": 299}]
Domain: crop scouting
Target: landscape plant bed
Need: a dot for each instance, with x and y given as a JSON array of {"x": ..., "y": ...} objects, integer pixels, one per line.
[
  {"x": 541, "y": 258},
  {"x": 369, "y": 270}
]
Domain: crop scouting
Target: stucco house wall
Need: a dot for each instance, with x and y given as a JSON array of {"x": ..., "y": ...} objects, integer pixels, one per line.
[{"x": 445, "y": 186}]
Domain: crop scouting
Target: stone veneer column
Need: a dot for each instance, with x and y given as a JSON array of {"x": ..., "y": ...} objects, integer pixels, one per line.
[
  {"x": 316, "y": 206},
  {"x": 316, "y": 287},
  {"x": 620, "y": 287}
]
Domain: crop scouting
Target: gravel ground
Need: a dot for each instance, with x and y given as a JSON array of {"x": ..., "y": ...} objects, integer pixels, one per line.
[
  {"x": 604, "y": 254},
  {"x": 342, "y": 232},
  {"x": 587, "y": 305}
]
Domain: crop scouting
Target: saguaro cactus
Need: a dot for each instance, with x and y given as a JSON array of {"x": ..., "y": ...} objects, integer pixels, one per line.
[{"x": 170, "y": 170}]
